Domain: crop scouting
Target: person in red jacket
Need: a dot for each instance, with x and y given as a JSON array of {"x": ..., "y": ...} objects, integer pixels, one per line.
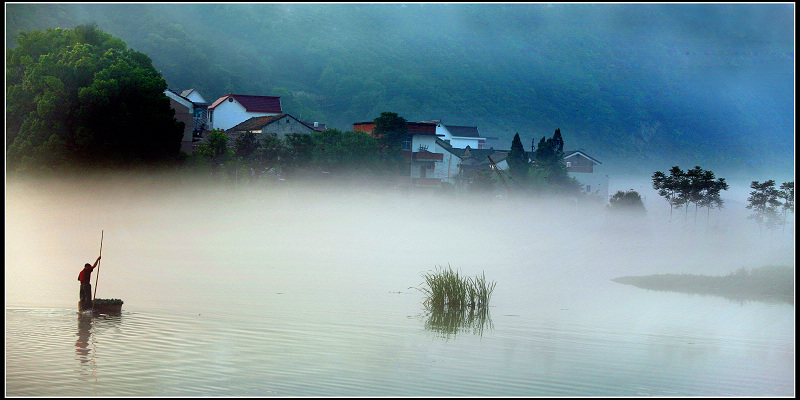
[{"x": 86, "y": 284}]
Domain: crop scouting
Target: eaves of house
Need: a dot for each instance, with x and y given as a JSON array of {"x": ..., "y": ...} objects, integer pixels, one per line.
[
  {"x": 267, "y": 104},
  {"x": 464, "y": 131},
  {"x": 574, "y": 152},
  {"x": 257, "y": 123}
]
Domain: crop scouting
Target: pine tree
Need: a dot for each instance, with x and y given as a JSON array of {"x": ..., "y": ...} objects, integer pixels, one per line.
[{"x": 518, "y": 164}]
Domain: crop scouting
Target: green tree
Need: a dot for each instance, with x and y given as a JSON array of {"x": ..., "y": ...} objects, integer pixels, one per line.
[
  {"x": 299, "y": 151},
  {"x": 246, "y": 145},
  {"x": 482, "y": 181},
  {"x": 671, "y": 187},
  {"x": 548, "y": 171},
  {"x": 701, "y": 189},
  {"x": 764, "y": 202},
  {"x": 340, "y": 152},
  {"x": 81, "y": 97},
  {"x": 628, "y": 201},
  {"x": 787, "y": 195},
  {"x": 710, "y": 193},
  {"x": 391, "y": 130},
  {"x": 215, "y": 148},
  {"x": 518, "y": 163},
  {"x": 271, "y": 154}
]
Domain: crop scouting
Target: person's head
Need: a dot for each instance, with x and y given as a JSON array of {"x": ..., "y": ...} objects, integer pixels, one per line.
[{"x": 87, "y": 265}]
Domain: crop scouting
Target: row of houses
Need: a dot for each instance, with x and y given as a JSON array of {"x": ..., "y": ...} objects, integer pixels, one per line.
[{"x": 435, "y": 152}]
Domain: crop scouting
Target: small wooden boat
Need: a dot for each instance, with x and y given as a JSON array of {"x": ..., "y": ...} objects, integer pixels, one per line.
[{"x": 103, "y": 306}]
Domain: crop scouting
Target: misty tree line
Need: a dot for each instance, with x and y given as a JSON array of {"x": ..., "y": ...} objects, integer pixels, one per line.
[
  {"x": 328, "y": 152},
  {"x": 684, "y": 188},
  {"x": 543, "y": 170},
  {"x": 771, "y": 206},
  {"x": 698, "y": 187},
  {"x": 81, "y": 97}
]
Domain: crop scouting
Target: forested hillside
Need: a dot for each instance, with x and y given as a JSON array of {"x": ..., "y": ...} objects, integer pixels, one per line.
[{"x": 644, "y": 87}]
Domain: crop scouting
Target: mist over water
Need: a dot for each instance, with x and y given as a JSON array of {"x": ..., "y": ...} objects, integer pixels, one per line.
[
  {"x": 200, "y": 240},
  {"x": 316, "y": 269}
]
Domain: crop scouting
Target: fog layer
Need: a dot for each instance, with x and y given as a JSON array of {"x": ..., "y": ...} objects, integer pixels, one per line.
[{"x": 170, "y": 242}]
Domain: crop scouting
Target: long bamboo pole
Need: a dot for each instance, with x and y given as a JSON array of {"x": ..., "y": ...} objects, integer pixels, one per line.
[{"x": 97, "y": 277}]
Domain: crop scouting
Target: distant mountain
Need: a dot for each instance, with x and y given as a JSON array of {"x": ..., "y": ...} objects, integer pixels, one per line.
[{"x": 640, "y": 87}]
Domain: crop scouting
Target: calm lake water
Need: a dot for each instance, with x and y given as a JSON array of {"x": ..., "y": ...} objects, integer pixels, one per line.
[{"x": 299, "y": 292}]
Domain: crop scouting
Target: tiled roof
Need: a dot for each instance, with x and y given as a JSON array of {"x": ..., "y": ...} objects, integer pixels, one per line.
[
  {"x": 422, "y": 128},
  {"x": 463, "y": 131},
  {"x": 414, "y": 128},
  {"x": 256, "y": 123},
  {"x": 270, "y": 104},
  {"x": 475, "y": 156}
]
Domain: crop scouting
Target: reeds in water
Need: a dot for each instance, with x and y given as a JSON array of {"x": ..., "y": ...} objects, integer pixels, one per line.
[{"x": 448, "y": 290}]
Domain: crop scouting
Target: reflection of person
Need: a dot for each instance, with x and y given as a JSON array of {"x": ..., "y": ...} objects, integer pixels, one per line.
[
  {"x": 84, "y": 333},
  {"x": 86, "y": 284}
]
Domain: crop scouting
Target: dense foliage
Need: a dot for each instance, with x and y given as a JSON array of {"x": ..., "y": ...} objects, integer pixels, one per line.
[
  {"x": 81, "y": 97},
  {"x": 518, "y": 162},
  {"x": 770, "y": 283},
  {"x": 548, "y": 172},
  {"x": 627, "y": 201},
  {"x": 391, "y": 130},
  {"x": 771, "y": 206},
  {"x": 505, "y": 68},
  {"x": 695, "y": 186}
]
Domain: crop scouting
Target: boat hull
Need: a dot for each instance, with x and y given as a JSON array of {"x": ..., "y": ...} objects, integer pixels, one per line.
[{"x": 100, "y": 307}]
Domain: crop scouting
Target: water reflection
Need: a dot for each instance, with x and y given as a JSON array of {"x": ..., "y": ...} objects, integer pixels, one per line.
[
  {"x": 82, "y": 350},
  {"x": 448, "y": 322},
  {"x": 88, "y": 326}
]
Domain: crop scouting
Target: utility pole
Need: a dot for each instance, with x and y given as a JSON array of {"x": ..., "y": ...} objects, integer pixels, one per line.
[{"x": 497, "y": 170}]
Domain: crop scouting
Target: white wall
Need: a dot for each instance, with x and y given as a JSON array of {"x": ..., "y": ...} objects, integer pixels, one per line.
[
  {"x": 597, "y": 181},
  {"x": 447, "y": 169},
  {"x": 196, "y": 97},
  {"x": 456, "y": 142},
  {"x": 424, "y": 140},
  {"x": 230, "y": 113}
]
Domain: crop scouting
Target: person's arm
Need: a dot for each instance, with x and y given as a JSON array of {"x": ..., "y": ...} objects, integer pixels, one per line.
[{"x": 96, "y": 262}]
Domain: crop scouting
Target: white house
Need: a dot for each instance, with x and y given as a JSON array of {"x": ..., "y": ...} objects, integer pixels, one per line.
[
  {"x": 194, "y": 96},
  {"x": 232, "y": 109},
  {"x": 459, "y": 136},
  {"x": 191, "y": 109},
  {"x": 432, "y": 156}
]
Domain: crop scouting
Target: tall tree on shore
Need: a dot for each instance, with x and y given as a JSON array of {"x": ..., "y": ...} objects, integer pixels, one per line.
[
  {"x": 549, "y": 171},
  {"x": 390, "y": 130},
  {"x": 764, "y": 202},
  {"x": 710, "y": 193},
  {"x": 671, "y": 187},
  {"x": 518, "y": 163},
  {"x": 81, "y": 97},
  {"x": 787, "y": 195}
]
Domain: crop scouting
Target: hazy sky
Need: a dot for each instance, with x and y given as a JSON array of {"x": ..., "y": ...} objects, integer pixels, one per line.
[{"x": 723, "y": 72}]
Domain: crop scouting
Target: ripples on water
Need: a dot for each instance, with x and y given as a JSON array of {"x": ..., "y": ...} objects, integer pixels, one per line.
[
  {"x": 259, "y": 351},
  {"x": 290, "y": 293}
]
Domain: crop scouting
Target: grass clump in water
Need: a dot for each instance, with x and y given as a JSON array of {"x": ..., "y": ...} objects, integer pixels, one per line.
[{"x": 446, "y": 289}]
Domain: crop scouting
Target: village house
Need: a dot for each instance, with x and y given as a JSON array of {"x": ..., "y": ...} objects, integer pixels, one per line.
[
  {"x": 191, "y": 109},
  {"x": 232, "y": 109},
  {"x": 418, "y": 150},
  {"x": 433, "y": 158},
  {"x": 585, "y": 169},
  {"x": 276, "y": 125},
  {"x": 460, "y": 137}
]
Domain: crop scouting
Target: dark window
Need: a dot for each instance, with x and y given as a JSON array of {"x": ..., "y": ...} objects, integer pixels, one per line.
[{"x": 407, "y": 143}]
